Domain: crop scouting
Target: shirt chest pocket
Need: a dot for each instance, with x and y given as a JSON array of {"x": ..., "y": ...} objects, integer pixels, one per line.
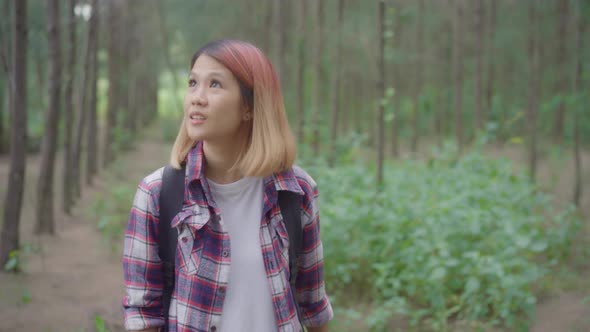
[{"x": 190, "y": 247}]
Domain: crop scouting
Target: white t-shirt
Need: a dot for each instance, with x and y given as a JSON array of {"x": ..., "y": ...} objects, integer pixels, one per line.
[{"x": 248, "y": 305}]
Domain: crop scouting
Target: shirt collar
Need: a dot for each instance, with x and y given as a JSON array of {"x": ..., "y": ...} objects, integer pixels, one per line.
[{"x": 195, "y": 166}]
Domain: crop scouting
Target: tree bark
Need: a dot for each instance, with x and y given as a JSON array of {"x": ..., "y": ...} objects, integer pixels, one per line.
[
  {"x": 18, "y": 133},
  {"x": 113, "y": 77},
  {"x": 301, "y": 70},
  {"x": 562, "y": 80},
  {"x": 419, "y": 76},
  {"x": 533, "y": 93},
  {"x": 490, "y": 54},
  {"x": 458, "y": 71},
  {"x": 336, "y": 83},
  {"x": 579, "y": 105},
  {"x": 381, "y": 89},
  {"x": 281, "y": 14},
  {"x": 70, "y": 73},
  {"x": 45, "y": 223},
  {"x": 480, "y": 30},
  {"x": 91, "y": 138},
  {"x": 395, "y": 124},
  {"x": 5, "y": 58},
  {"x": 84, "y": 107},
  {"x": 319, "y": 79}
]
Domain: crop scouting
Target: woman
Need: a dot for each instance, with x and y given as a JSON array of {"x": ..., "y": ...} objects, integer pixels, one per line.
[{"x": 232, "y": 262}]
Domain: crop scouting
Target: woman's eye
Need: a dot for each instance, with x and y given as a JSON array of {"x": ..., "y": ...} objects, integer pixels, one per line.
[
  {"x": 215, "y": 84},
  {"x": 192, "y": 82}
]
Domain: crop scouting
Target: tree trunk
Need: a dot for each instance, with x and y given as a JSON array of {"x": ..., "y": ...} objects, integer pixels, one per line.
[
  {"x": 113, "y": 77},
  {"x": 84, "y": 107},
  {"x": 45, "y": 223},
  {"x": 533, "y": 93},
  {"x": 268, "y": 23},
  {"x": 381, "y": 89},
  {"x": 70, "y": 73},
  {"x": 419, "y": 76},
  {"x": 301, "y": 71},
  {"x": 480, "y": 29},
  {"x": 91, "y": 138},
  {"x": 319, "y": 79},
  {"x": 18, "y": 133},
  {"x": 562, "y": 80},
  {"x": 5, "y": 58},
  {"x": 281, "y": 14},
  {"x": 490, "y": 47},
  {"x": 458, "y": 71},
  {"x": 336, "y": 83},
  {"x": 579, "y": 105},
  {"x": 395, "y": 124}
]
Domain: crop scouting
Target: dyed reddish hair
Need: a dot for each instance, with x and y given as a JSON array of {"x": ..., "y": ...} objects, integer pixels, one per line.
[{"x": 271, "y": 148}]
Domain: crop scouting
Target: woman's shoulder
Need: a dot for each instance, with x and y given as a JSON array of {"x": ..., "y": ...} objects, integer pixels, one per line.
[
  {"x": 152, "y": 183},
  {"x": 306, "y": 182}
]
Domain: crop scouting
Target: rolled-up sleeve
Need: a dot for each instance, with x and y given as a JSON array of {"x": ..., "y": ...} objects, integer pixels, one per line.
[
  {"x": 142, "y": 303},
  {"x": 314, "y": 304}
]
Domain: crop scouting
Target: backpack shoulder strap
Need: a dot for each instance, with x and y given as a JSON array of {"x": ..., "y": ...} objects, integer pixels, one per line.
[
  {"x": 290, "y": 205},
  {"x": 171, "y": 199}
]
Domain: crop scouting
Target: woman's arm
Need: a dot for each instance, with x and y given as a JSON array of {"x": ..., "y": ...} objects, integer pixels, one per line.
[
  {"x": 314, "y": 304},
  {"x": 141, "y": 264}
]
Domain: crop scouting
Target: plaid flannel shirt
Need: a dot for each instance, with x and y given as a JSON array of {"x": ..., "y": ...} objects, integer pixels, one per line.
[{"x": 203, "y": 257}]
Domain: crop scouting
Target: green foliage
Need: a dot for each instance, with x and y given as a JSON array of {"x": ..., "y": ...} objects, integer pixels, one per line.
[
  {"x": 446, "y": 239},
  {"x": 16, "y": 260},
  {"x": 100, "y": 324},
  {"x": 111, "y": 210},
  {"x": 13, "y": 263}
]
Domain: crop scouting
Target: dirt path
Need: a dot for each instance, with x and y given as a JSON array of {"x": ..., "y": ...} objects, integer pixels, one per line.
[{"x": 74, "y": 276}]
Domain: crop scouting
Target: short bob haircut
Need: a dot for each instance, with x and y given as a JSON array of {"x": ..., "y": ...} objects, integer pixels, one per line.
[{"x": 271, "y": 147}]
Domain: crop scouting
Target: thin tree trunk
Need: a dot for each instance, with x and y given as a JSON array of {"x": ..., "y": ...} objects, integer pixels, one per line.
[
  {"x": 18, "y": 133},
  {"x": 91, "y": 141},
  {"x": 84, "y": 107},
  {"x": 113, "y": 71},
  {"x": 70, "y": 73},
  {"x": 533, "y": 93},
  {"x": 166, "y": 50},
  {"x": 480, "y": 29},
  {"x": 580, "y": 32},
  {"x": 319, "y": 79},
  {"x": 381, "y": 89},
  {"x": 490, "y": 47},
  {"x": 45, "y": 223},
  {"x": 5, "y": 59},
  {"x": 268, "y": 23},
  {"x": 336, "y": 83},
  {"x": 395, "y": 124},
  {"x": 419, "y": 77},
  {"x": 562, "y": 80},
  {"x": 458, "y": 71},
  {"x": 301, "y": 70},
  {"x": 281, "y": 10}
]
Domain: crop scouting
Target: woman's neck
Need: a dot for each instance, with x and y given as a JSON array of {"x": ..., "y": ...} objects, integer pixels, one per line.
[{"x": 219, "y": 159}]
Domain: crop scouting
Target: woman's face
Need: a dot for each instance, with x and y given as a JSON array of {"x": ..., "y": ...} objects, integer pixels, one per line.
[{"x": 213, "y": 108}]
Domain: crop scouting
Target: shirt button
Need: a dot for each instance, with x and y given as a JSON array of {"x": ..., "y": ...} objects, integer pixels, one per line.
[
  {"x": 225, "y": 253},
  {"x": 213, "y": 328},
  {"x": 222, "y": 289},
  {"x": 184, "y": 239}
]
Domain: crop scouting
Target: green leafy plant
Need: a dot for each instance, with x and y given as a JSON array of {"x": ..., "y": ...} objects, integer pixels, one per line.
[{"x": 446, "y": 240}]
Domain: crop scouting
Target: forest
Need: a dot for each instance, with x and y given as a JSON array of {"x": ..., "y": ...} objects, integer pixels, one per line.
[{"x": 450, "y": 141}]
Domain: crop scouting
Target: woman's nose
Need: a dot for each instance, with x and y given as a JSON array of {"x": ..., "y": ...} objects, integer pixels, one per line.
[{"x": 199, "y": 97}]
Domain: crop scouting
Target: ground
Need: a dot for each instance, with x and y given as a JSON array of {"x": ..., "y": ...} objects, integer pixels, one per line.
[{"x": 73, "y": 277}]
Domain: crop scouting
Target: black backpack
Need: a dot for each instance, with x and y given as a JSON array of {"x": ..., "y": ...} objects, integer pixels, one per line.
[{"x": 171, "y": 199}]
